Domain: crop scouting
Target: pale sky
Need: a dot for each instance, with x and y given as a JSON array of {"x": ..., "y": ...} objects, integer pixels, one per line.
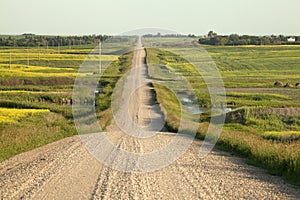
[{"x": 78, "y": 17}]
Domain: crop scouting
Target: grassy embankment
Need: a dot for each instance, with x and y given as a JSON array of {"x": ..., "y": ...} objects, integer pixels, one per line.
[
  {"x": 108, "y": 81},
  {"x": 256, "y": 128}
]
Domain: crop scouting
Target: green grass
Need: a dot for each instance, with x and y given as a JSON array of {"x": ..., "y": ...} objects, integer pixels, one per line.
[
  {"x": 255, "y": 66},
  {"x": 42, "y": 85},
  {"x": 254, "y": 128},
  {"x": 279, "y": 158},
  {"x": 240, "y": 66},
  {"x": 33, "y": 131},
  {"x": 273, "y": 98},
  {"x": 282, "y": 135},
  {"x": 169, "y": 105},
  {"x": 262, "y": 119},
  {"x": 108, "y": 81}
]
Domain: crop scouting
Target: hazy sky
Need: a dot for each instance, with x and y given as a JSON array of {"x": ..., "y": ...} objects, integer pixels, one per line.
[{"x": 66, "y": 17}]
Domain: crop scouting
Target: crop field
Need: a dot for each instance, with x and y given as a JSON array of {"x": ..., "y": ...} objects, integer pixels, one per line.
[
  {"x": 36, "y": 87},
  {"x": 257, "y": 67},
  {"x": 263, "y": 121},
  {"x": 13, "y": 115}
]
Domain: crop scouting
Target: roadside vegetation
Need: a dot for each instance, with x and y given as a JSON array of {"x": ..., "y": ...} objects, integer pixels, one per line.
[
  {"x": 264, "y": 122},
  {"x": 107, "y": 83}
]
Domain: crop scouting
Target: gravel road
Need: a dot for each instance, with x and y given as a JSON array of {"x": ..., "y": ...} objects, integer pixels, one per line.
[{"x": 66, "y": 170}]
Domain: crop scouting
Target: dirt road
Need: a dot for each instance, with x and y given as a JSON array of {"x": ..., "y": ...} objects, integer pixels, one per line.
[{"x": 66, "y": 170}]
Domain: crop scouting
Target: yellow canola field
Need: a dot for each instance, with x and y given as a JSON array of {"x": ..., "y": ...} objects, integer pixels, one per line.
[{"x": 11, "y": 115}]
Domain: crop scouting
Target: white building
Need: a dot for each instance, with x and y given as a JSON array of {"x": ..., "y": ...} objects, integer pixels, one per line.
[{"x": 291, "y": 39}]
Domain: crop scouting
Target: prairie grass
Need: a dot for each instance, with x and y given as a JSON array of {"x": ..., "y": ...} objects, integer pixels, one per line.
[
  {"x": 266, "y": 139},
  {"x": 33, "y": 131},
  {"x": 107, "y": 83},
  {"x": 169, "y": 106},
  {"x": 279, "y": 158},
  {"x": 282, "y": 135}
]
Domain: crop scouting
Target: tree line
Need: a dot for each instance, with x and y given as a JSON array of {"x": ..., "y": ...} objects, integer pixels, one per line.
[
  {"x": 213, "y": 38},
  {"x": 31, "y": 40}
]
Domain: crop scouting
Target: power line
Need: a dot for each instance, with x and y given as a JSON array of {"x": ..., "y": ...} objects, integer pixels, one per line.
[
  {"x": 39, "y": 51},
  {"x": 27, "y": 57},
  {"x": 100, "y": 51},
  {"x": 10, "y": 59}
]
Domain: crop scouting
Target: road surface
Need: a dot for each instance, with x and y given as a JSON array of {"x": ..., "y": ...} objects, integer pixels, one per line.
[{"x": 66, "y": 170}]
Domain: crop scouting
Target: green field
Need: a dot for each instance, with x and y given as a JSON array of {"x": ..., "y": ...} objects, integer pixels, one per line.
[
  {"x": 36, "y": 87},
  {"x": 264, "y": 121}
]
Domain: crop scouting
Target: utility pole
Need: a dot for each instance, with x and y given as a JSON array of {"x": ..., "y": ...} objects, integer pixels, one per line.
[
  {"x": 100, "y": 51},
  {"x": 27, "y": 57},
  {"x": 58, "y": 49},
  {"x": 47, "y": 47},
  {"x": 10, "y": 59},
  {"x": 39, "y": 51}
]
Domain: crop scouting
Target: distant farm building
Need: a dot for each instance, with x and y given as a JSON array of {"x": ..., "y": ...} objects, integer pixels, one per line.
[{"x": 291, "y": 39}]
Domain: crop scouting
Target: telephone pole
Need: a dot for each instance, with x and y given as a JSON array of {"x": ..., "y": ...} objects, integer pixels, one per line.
[
  {"x": 27, "y": 57},
  {"x": 39, "y": 51},
  {"x": 58, "y": 48},
  {"x": 10, "y": 59},
  {"x": 47, "y": 47},
  {"x": 100, "y": 51}
]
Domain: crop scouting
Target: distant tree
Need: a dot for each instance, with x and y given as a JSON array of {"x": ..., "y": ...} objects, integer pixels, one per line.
[
  {"x": 191, "y": 35},
  {"x": 265, "y": 41},
  {"x": 219, "y": 40},
  {"x": 211, "y": 34},
  {"x": 282, "y": 38},
  {"x": 234, "y": 39}
]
